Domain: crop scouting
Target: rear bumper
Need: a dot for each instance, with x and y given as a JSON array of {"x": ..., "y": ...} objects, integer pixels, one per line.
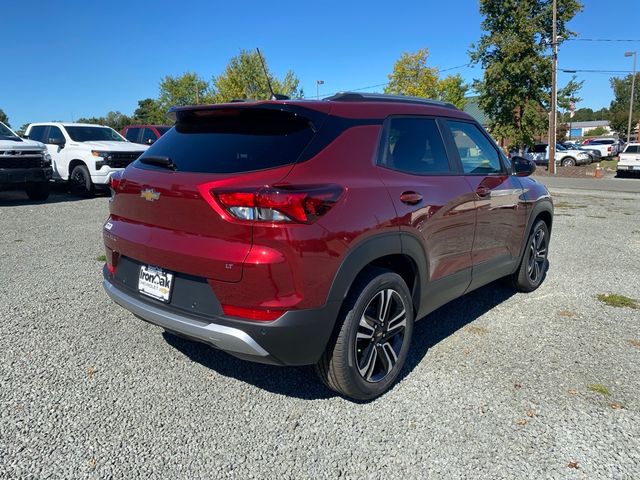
[
  {"x": 296, "y": 338},
  {"x": 13, "y": 176}
]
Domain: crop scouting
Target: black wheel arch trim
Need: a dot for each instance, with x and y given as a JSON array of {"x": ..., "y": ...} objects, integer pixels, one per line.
[{"x": 541, "y": 206}]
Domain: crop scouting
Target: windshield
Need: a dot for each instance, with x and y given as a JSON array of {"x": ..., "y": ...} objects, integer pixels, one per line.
[
  {"x": 93, "y": 134},
  {"x": 560, "y": 147},
  {"x": 6, "y": 131}
]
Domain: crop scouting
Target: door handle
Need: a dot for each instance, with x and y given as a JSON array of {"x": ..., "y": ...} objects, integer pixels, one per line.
[
  {"x": 410, "y": 198},
  {"x": 483, "y": 191}
]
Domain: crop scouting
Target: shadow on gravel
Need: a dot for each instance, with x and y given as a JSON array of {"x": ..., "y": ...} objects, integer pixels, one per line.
[
  {"x": 59, "y": 194},
  {"x": 301, "y": 382}
]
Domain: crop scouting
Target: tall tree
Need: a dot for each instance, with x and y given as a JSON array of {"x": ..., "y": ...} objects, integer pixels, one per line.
[
  {"x": 513, "y": 52},
  {"x": 244, "y": 78},
  {"x": 411, "y": 76},
  {"x": 149, "y": 111},
  {"x": 115, "y": 120},
  {"x": 4, "y": 118},
  {"x": 186, "y": 89},
  {"x": 619, "y": 108},
  {"x": 452, "y": 89}
]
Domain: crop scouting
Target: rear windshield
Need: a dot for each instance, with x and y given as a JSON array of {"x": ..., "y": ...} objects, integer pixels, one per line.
[{"x": 233, "y": 140}]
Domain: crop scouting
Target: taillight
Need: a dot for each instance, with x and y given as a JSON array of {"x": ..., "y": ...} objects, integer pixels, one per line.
[
  {"x": 116, "y": 178},
  {"x": 281, "y": 204}
]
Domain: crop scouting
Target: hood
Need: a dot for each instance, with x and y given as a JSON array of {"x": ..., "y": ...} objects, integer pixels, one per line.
[
  {"x": 112, "y": 146},
  {"x": 21, "y": 144}
]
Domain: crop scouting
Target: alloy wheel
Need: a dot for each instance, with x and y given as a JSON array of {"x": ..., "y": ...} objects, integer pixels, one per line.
[
  {"x": 380, "y": 335},
  {"x": 537, "y": 256}
]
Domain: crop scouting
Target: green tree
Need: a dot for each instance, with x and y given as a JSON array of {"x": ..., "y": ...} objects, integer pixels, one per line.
[
  {"x": 149, "y": 112},
  {"x": 513, "y": 52},
  {"x": 569, "y": 93},
  {"x": 596, "y": 132},
  {"x": 115, "y": 120},
  {"x": 619, "y": 116},
  {"x": 411, "y": 76},
  {"x": 186, "y": 89},
  {"x": 22, "y": 129},
  {"x": 4, "y": 118},
  {"x": 452, "y": 89},
  {"x": 244, "y": 78}
]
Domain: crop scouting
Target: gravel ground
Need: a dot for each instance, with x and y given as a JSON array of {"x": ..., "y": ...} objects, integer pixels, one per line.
[{"x": 496, "y": 385}]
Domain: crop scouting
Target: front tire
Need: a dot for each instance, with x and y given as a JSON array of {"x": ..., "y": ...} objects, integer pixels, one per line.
[
  {"x": 568, "y": 162},
  {"x": 369, "y": 348},
  {"x": 534, "y": 264},
  {"x": 38, "y": 191},
  {"x": 80, "y": 182}
]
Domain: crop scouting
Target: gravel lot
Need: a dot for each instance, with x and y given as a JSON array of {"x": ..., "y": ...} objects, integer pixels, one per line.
[{"x": 496, "y": 386}]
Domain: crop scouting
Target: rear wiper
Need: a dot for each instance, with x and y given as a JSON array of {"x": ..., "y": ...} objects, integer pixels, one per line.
[{"x": 160, "y": 161}]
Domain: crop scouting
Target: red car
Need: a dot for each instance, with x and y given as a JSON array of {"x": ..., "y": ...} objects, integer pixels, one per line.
[
  {"x": 317, "y": 232},
  {"x": 144, "y": 134}
]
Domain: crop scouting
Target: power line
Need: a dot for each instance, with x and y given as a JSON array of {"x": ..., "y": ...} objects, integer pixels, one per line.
[
  {"x": 322, "y": 95},
  {"x": 626, "y": 40},
  {"x": 608, "y": 72}
]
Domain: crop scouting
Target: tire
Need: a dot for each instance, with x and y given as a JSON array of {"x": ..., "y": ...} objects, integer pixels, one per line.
[
  {"x": 534, "y": 264},
  {"x": 368, "y": 349},
  {"x": 38, "y": 191},
  {"x": 568, "y": 162},
  {"x": 80, "y": 182}
]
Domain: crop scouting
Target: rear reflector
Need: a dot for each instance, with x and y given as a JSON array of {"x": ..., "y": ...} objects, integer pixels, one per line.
[
  {"x": 279, "y": 204},
  {"x": 252, "y": 313}
]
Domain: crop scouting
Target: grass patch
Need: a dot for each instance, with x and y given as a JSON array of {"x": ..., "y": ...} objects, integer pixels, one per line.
[
  {"x": 598, "y": 388},
  {"x": 101, "y": 258},
  {"x": 615, "y": 300},
  {"x": 604, "y": 164},
  {"x": 567, "y": 205},
  {"x": 18, "y": 240}
]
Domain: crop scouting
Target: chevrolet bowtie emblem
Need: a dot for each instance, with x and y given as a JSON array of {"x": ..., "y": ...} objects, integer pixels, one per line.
[{"x": 150, "y": 195}]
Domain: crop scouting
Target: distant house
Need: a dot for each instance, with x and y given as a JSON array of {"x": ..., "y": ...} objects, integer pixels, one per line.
[
  {"x": 472, "y": 107},
  {"x": 581, "y": 129}
]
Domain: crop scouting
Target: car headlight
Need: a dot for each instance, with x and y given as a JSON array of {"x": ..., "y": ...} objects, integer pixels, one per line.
[
  {"x": 583, "y": 155},
  {"x": 100, "y": 153}
]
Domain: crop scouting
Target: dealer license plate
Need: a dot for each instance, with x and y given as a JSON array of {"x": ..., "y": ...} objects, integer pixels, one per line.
[{"x": 155, "y": 282}]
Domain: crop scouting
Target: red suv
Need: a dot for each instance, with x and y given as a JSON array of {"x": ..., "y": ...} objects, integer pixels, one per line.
[{"x": 317, "y": 232}]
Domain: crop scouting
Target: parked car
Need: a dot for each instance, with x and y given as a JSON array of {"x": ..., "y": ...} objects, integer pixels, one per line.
[
  {"x": 629, "y": 162},
  {"x": 84, "y": 155},
  {"x": 594, "y": 152},
  {"x": 608, "y": 147},
  {"x": 24, "y": 165},
  {"x": 265, "y": 229},
  {"x": 144, "y": 134},
  {"x": 567, "y": 158}
]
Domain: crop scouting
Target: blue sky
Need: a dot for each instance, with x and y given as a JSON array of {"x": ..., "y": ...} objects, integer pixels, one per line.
[{"x": 64, "y": 60}]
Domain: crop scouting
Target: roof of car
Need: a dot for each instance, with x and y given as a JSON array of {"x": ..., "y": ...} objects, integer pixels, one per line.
[
  {"x": 349, "y": 105},
  {"x": 66, "y": 124},
  {"x": 147, "y": 126}
]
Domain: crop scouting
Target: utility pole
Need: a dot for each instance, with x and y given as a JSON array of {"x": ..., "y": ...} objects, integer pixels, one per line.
[
  {"x": 318, "y": 83},
  {"x": 633, "y": 85},
  {"x": 554, "y": 94}
]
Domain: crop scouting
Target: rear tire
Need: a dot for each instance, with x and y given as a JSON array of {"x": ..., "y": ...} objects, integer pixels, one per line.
[
  {"x": 534, "y": 264},
  {"x": 80, "y": 182},
  {"x": 38, "y": 191},
  {"x": 369, "y": 347}
]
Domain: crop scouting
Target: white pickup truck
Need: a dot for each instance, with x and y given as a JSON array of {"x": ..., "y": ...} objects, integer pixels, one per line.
[
  {"x": 629, "y": 162},
  {"x": 84, "y": 155}
]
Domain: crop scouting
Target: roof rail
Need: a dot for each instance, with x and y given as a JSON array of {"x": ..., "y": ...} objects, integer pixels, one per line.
[{"x": 383, "y": 97}]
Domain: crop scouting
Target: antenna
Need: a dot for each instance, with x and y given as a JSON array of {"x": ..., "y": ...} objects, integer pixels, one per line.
[{"x": 274, "y": 96}]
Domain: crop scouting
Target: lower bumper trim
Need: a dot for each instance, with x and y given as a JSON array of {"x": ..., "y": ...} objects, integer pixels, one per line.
[{"x": 222, "y": 337}]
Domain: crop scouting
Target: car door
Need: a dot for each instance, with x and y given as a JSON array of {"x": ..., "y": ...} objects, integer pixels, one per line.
[
  {"x": 60, "y": 166},
  {"x": 433, "y": 202},
  {"x": 501, "y": 209}
]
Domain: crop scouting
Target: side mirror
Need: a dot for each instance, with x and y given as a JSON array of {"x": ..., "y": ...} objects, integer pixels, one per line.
[
  {"x": 56, "y": 141},
  {"x": 522, "y": 167},
  {"x": 150, "y": 141}
]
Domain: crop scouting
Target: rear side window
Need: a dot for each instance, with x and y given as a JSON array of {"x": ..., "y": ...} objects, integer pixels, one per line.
[
  {"x": 234, "y": 140},
  {"x": 414, "y": 145},
  {"x": 632, "y": 149},
  {"x": 132, "y": 134},
  {"x": 477, "y": 153},
  {"x": 37, "y": 133},
  {"x": 539, "y": 149}
]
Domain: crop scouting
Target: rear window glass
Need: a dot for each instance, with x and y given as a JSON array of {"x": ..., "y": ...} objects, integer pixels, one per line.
[{"x": 233, "y": 140}]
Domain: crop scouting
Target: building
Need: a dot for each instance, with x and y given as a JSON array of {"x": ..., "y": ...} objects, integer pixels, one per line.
[{"x": 581, "y": 129}]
